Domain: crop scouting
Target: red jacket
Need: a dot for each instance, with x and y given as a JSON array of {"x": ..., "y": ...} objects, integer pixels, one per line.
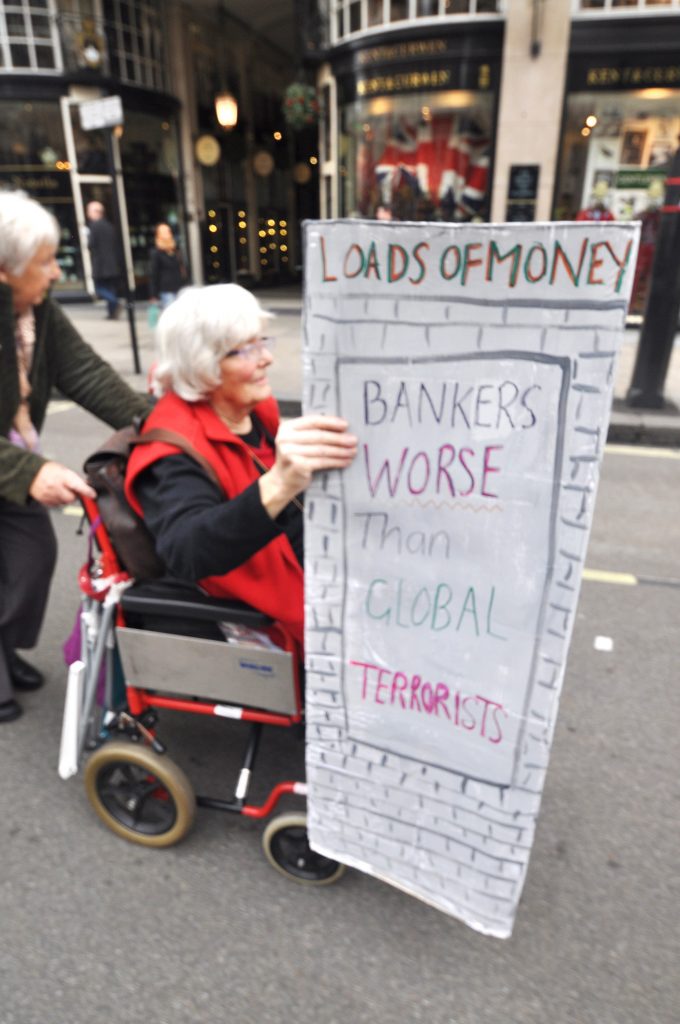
[{"x": 271, "y": 580}]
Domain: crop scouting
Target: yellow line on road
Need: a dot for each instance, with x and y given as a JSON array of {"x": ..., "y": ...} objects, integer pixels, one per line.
[
  {"x": 642, "y": 450},
  {"x": 624, "y": 579}
]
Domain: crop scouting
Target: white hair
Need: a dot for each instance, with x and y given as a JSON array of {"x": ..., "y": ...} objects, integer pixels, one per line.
[
  {"x": 196, "y": 331},
  {"x": 25, "y": 225}
]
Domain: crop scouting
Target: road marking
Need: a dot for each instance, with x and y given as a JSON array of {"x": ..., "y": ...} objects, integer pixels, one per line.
[
  {"x": 60, "y": 406},
  {"x": 603, "y": 643},
  {"x": 624, "y": 579},
  {"x": 642, "y": 450}
]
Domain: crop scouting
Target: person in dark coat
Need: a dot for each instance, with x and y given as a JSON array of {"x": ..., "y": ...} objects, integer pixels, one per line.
[
  {"x": 167, "y": 271},
  {"x": 106, "y": 268},
  {"x": 39, "y": 350}
]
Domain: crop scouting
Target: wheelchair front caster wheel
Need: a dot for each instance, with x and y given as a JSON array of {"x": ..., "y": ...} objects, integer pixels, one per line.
[
  {"x": 141, "y": 795},
  {"x": 287, "y": 849}
]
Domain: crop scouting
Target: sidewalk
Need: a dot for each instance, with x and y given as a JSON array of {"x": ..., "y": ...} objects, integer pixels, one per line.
[{"x": 111, "y": 338}]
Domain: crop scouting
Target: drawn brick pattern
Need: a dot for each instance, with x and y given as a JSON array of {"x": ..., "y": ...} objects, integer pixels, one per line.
[{"x": 460, "y": 844}]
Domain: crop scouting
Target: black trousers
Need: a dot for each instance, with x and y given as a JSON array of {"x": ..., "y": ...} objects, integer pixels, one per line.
[{"x": 28, "y": 553}]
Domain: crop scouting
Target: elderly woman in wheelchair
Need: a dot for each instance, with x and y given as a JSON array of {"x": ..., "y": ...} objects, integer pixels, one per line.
[
  {"x": 219, "y": 488},
  {"x": 240, "y": 535}
]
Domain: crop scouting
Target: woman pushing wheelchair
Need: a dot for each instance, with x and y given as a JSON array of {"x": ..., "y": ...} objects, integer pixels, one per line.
[{"x": 243, "y": 538}]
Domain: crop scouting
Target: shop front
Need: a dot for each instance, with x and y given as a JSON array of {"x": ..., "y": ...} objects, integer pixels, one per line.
[
  {"x": 415, "y": 126},
  {"x": 621, "y": 130},
  {"x": 45, "y": 152}
]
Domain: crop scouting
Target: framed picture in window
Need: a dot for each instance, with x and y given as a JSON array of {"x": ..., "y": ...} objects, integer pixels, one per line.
[{"x": 633, "y": 147}]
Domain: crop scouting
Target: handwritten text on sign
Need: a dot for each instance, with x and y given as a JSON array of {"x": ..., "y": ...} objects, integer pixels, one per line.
[{"x": 475, "y": 364}]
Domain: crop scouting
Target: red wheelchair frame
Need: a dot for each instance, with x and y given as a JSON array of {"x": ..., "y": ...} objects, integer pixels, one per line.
[{"x": 134, "y": 787}]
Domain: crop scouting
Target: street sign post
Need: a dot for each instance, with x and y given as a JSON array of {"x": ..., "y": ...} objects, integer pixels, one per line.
[{"x": 95, "y": 115}]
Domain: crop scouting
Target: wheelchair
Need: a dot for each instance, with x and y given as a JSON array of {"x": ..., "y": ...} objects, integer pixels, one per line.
[{"x": 160, "y": 646}]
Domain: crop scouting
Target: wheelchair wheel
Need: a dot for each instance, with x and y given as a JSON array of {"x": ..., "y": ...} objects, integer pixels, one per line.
[
  {"x": 141, "y": 796},
  {"x": 287, "y": 849}
]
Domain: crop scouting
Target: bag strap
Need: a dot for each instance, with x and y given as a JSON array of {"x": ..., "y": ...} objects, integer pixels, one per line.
[{"x": 170, "y": 437}]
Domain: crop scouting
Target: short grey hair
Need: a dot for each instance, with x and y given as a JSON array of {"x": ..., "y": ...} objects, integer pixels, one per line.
[
  {"x": 196, "y": 331},
  {"x": 25, "y": 225}
]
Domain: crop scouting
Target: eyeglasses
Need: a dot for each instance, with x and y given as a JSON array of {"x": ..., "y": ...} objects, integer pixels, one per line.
[{"x": 252, "y": 350}]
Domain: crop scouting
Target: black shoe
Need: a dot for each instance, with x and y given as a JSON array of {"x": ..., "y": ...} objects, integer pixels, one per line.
[
  {"x": 24, "y": 676},
  {"x": 9, "y": 710}
]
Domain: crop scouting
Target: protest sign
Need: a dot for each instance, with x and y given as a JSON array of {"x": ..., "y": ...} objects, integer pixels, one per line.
[{"x": 475, "y": 364}]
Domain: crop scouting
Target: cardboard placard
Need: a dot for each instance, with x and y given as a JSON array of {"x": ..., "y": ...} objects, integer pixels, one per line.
[{"x": 475, "y": 363}]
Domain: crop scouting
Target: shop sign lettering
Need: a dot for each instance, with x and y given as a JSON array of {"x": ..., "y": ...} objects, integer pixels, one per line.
[
  {"x": 636, "y": 77},
  {"x": 403, "y": 82}
]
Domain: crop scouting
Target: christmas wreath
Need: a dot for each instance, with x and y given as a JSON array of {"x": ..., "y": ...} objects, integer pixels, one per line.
[{"x": 300, "y": 106}]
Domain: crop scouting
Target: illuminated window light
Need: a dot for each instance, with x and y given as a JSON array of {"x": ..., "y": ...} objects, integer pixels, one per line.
[
  {"x": 213, "y": 248},
  {"x": 283, "y": 223},
  {"x": 263, "y": 248},
  {"x": 243, "y": 241},
  {"x": 283, "y": 232},
  {"x": 271, "y": 231},
  {"x": 278, "y": 136},
  {"x": 212, "y": 227},
  {"x": 271, "y": 223},
  {"x": 211, "y": 213},
  {"x": 284, "y": 248},
  {"x": 263, "y": 263},
  {"x": 262, "y": 233},
  {"x": 242, "y": 224},
  {"x": 216, "y": 263},
  {"x": 241, "y": 213},
  {"x": 591, "y": 121},
  {"x": 272, "y": 245},
  {"x": 313, "y": 161},
  {"x": 585, "y": 132}
]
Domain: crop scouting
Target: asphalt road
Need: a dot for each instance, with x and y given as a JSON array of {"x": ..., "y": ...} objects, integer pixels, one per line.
[{"x": 99, "y": 930}]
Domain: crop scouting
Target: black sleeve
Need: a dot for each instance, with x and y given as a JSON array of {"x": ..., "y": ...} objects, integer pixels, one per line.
[
  {"x": 154, "y": 286},
  {"x": 198, "y": 533}
]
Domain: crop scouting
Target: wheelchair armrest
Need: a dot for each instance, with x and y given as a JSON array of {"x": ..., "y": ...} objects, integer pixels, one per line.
[{"x": 184, "y": 601}]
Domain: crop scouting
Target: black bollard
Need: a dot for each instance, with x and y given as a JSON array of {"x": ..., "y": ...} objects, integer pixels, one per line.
[{"x": 663, "y": 304}]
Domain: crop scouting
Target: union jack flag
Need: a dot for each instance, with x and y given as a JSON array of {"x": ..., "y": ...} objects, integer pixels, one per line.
[{"x": 445, "y": 159}]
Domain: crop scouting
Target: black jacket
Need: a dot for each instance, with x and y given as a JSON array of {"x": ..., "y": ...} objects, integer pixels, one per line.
[
  {"x": 61, "y": 358},
  {"x": 167, "y": 272},
  {"x": 103, "y": 244}
]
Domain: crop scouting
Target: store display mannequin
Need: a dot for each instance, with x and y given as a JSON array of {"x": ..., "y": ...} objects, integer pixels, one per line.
[{"x": 597, "y": 209}]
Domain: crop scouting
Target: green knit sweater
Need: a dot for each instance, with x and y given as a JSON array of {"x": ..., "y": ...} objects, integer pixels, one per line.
[{"x": 61, "y": 358}]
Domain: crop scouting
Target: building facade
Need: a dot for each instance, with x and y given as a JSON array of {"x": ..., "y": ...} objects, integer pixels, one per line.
[
  {"x": 233, "y": 196},
  {"x": 460, "y": 110}
]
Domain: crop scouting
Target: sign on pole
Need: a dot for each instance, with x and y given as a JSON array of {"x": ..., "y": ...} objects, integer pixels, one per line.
[
  {"x": 106, "y": 112},
  {"x": 475, "y": 364}
]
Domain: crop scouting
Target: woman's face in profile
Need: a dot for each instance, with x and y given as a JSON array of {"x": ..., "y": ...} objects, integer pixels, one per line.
[{"x": 244, "y": 381}]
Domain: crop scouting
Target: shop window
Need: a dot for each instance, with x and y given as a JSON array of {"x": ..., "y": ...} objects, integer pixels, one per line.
[
  {"x": 416, "y": 157},
  {"x": 616, "y": 152},
  {"x": 150, "y": 157},
  {"x": 33, "y": 158}
]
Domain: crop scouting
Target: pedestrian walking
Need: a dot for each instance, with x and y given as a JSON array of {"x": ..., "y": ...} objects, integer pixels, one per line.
[
  {"x": 106, "y": 268},
  {"x": 39, "y": 349},
  {"x": 167, "y": 272}
]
